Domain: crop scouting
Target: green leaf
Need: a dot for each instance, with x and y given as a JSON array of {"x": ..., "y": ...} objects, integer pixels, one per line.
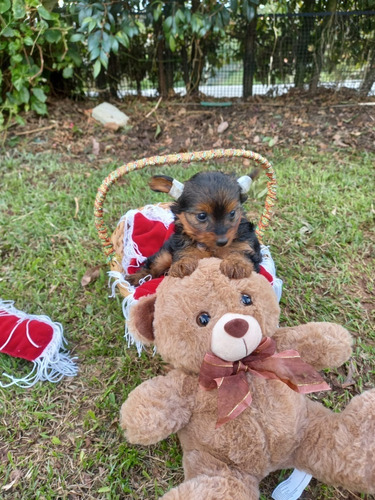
[
  {"x": 94, "y": 54},
  {"x": 39, "y": 94},
  {"x": 104, "y": 489},
  {"x": 8, "y": 32},
  {"x": 248, "y": 10},
  {"x": 122, "y": 38},
  {"x": 68, "y": 72},
  {"x": 39, "y": 107},
  {"x": 77, "y": 37},
  {"x": 4, "y": 6},
  {"x": 20, "y": 120},
  {"x": 172, "y": 43},
  {"x": 55, "y": 440},
  {"x": 104, "y": 59},
  {"x": 92, "y": 25},
  {"x": 19, "y": 10},
  {"x": 28, "y": 41},
  {"x": 53, "y": 36},
  {"x": 115, "y": 45},
  {"x": 234, "y": 5},
  {"x": 43, "y": 12},
  {"x": 157, "y": 12},
  {"x": 97, "y": 67},
  {"x": 24, "y": 95}
]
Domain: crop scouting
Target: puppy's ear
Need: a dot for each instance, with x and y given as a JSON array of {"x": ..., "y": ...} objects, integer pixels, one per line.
[
  {"x": 166, "y": 184},
  {"x": 141, "y": 319},
  {"x": 245, "y": 182}
]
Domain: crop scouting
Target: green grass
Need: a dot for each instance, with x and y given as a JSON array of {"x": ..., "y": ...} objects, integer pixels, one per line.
[{"x": 63, "y": 440}]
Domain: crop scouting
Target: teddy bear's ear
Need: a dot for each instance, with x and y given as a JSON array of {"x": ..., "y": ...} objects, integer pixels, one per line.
[{"x": 141, "y": 318}]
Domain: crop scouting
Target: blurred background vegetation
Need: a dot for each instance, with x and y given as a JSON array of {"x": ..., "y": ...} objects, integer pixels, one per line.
[{"x": 220, "y": 48}]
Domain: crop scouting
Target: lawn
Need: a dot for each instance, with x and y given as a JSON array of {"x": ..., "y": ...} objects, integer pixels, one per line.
[{"x": 63, "y": 441}]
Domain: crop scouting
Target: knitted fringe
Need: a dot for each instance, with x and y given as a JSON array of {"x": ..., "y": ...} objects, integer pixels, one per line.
[
  {"x": 53, "y": 364},
  {"x": 131, "y": 250}
]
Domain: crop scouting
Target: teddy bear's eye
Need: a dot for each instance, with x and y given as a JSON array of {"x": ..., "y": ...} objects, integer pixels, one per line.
[
  {"x": 203, "y": 319},
  {"x": 246, "y": 299}
]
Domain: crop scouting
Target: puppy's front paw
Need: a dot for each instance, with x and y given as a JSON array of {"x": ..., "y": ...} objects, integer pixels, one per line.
[
  {"x": 236, "y": 267},
  {"x": 134, "y": 279},
  {"x": 183, "y": 267}
]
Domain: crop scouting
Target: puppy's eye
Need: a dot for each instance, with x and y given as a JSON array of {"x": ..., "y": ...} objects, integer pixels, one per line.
[
  {"x": 232, "y": 214},
  {"x": 202, "y": 217},
  {"x": 246, "y": 299},
  {"x": 203, "y": 319}
]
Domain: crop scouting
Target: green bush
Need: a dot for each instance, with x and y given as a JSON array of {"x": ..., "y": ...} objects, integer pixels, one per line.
[{"x": 33, "y": 45}]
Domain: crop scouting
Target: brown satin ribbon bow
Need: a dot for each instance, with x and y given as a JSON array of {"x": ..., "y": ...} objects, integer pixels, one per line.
[{"x": 230, "y": 377}]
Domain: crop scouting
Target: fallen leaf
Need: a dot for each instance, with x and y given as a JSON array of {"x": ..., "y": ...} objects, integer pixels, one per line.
[
  {"x": 182, "y": 112},
  {"x": 95, "y": 147},
  {"x": 222, "y": 127},
  {"x": 158, "y": 131},
  {"x": 112, "y": 126},
  {"x": 14, "y": 477},
  {"x": 273, "y": 141},
  {"x": 349, "y": 378},
  {"x": 338, "y": 142},
  {"x": 90, "y": 275},
  {"x": 256, "y": 139},
  {"x": 218, "y": 144}
]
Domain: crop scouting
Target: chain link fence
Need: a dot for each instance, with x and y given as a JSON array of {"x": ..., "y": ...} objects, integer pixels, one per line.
[{"x": 274, "y": 54}]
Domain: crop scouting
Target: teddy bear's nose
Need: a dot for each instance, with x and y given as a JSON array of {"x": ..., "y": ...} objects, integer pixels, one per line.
[{"x": 236, "y": 327}]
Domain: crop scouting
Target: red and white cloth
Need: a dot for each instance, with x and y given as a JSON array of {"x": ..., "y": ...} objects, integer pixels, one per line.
[
  {"x": 36, "y": 339},
  {"x": 145, "y": 231}
]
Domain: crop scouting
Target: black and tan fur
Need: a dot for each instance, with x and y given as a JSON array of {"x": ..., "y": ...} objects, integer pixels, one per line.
[{"x": 210, "y": 222}]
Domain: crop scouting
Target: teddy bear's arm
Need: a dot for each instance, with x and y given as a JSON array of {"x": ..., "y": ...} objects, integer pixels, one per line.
[
  {"x": 323, "y": 345},
  {"x": 157, "y": 408}
]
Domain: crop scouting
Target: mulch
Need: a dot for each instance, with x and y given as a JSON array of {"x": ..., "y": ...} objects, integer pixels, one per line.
[{"x": 326, "y": 120}]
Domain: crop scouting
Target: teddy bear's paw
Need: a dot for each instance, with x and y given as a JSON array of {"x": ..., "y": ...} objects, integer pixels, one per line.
[
  {"x": 236, "y": 267},
  {"x": 183, "y": 267},
  {"x": 213, "y": 488}
]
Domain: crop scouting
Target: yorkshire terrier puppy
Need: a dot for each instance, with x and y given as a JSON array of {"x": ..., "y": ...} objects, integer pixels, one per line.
[{"x": 209, "y": 222}]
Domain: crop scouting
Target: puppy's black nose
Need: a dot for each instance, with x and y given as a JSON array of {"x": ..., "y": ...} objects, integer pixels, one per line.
[{"x": 222, "y": 241}]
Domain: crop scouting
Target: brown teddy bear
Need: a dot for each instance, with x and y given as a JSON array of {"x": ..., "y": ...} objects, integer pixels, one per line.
[{"x": 237, "y": 405}]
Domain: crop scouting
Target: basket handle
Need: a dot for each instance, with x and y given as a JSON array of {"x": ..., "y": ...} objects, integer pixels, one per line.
[{"x": 173, "y": 159}]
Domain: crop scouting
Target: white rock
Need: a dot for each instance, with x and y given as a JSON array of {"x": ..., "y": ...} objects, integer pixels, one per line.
[{"x": 107, "y": 113}]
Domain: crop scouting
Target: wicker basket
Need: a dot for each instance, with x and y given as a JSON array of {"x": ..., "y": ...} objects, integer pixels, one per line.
[{"x": 113, "y": 245}]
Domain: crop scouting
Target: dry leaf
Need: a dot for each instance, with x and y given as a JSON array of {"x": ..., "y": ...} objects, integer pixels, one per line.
[
  {"x": 349, "y": 378},
  {"x": 14, "y": 477},
  {"x": 273, "y": 141},
  {"x": 222, "y": 127},
  {"x": 256, "y": 139},
  {"x": 218, "y": 144},
  {"x": 95, "y": 147},
  {"x": 112, "y": 126},
  {"x": 90, "y": 275},
  {"x": 182, "y": 112}
]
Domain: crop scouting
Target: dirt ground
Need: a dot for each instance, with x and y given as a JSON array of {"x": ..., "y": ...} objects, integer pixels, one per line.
[{"x": 325, "y": 120}]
